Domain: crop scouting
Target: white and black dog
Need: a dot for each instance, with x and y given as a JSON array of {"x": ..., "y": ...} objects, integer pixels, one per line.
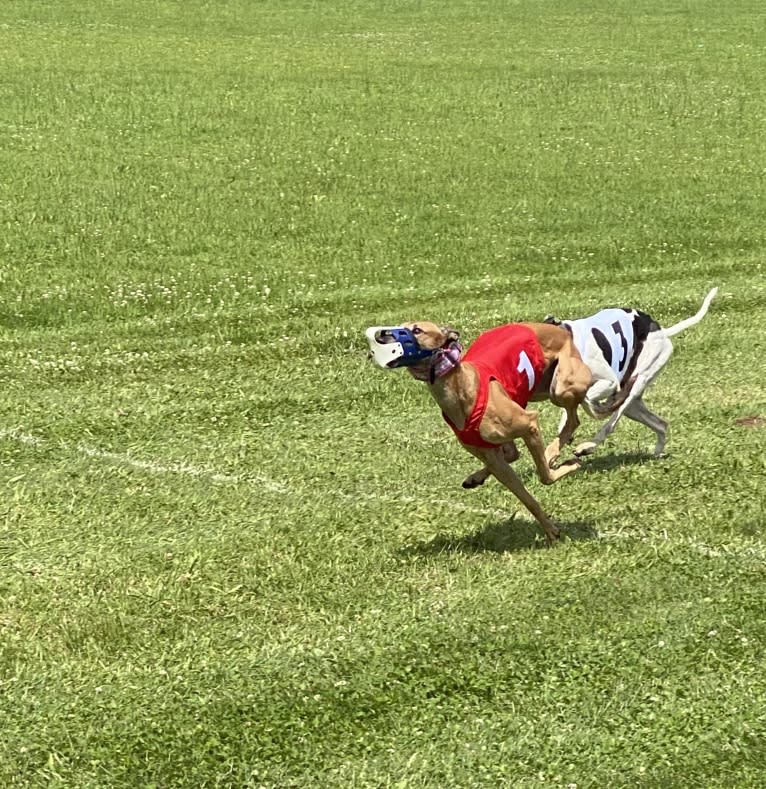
[{"x": 625, "y": 350}]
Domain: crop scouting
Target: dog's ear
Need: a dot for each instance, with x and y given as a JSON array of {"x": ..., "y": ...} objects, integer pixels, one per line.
[{"x": 451, "y": 334}]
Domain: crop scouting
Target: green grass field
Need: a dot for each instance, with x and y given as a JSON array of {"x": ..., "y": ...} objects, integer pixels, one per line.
[{"x": 233, "y": 553}]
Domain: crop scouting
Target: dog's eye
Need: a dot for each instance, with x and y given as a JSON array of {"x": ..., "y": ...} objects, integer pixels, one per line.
[{"x": 417, "y": 330}]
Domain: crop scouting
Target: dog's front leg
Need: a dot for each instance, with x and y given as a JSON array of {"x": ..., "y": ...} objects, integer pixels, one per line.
[
  {"x": 498, "y": 466},
  {"x": 511, "y": 454}
]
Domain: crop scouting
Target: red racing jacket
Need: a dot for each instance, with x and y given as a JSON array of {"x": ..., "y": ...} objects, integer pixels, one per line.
[{"x": 511, "y": 355}]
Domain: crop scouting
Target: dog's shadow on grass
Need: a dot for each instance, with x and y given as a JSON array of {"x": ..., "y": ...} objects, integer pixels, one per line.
[
  {"x": 507, "y": 536},
  {"x": 599, "y": 463},
  {"x": 512, "y": 535}
]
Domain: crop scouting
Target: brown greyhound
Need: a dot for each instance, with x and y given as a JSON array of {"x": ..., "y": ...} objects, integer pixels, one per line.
[{"x": 483, "y": 393}]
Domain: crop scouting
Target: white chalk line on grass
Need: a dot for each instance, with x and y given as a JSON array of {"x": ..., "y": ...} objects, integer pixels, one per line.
[
  {"x": 201, "y": 472},
  {"x": 183, "y": 469},
  {"x": 150, "y": 466},
  {"x": 18, "y": 435},
  {"x": 283, "y": 489}
]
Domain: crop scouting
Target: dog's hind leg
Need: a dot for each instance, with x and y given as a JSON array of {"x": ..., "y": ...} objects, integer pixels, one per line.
[
  {"x": 638, "y": 412},
  {"x": 600, "y": 391},
  {"x": 533, "y": 439},
  {"x": 570, "y": 384},
  {"x": 567, "y": 427},
  {"x": 653, "y": 357}
]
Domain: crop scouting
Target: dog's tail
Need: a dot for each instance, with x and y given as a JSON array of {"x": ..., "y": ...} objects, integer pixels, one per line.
[{"x": 685, "y": 324}]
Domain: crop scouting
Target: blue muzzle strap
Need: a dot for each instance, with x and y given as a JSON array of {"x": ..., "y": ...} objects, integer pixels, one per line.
[
  {"x": 412, "y": 352},
  {"x": 395, "y": 346}
]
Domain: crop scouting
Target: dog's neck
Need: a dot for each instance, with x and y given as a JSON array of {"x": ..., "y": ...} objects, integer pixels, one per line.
[
  {"x": 442, "y": 363},
  {"x": 448, "y": 381}
]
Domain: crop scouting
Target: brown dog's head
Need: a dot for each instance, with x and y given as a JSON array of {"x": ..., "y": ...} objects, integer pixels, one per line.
[
  {"x": 431, "y": 337},
  {"x": 411, "y": 344}
]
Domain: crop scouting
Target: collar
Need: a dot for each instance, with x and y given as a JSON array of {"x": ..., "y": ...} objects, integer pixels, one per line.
[{"x": 443, "y": 361}]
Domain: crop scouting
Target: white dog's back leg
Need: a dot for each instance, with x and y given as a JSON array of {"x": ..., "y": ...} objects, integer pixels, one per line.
[
  {"x": 638, "y": 412},
  {"x": 653, "y": 357},
  {"x": 602, "y": 389}
]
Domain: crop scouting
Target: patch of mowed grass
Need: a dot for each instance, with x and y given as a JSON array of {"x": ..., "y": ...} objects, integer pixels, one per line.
[{"x": 233, "y": 553}]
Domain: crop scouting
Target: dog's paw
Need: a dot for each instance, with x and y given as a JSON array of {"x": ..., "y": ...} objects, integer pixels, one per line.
[
  {"x": 586, "y": 448},
  {"x": 552, "y": 453},
  {"x": 567, "y": 467},
  {"x": 469, "y": 483}
]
